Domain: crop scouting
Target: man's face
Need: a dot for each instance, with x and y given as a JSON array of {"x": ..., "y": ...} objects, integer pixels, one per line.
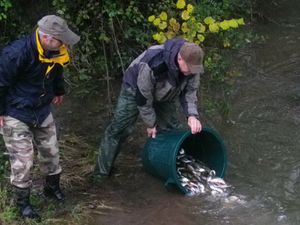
[
  {"x": 183, "y": 66},
  {"x": 50, "y": 43}
]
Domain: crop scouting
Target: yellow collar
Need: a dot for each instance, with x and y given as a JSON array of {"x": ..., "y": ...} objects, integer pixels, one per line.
[{"x": 62, "y": 58}]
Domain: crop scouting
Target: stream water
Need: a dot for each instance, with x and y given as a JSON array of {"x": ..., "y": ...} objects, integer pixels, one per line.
[{"x": 264, "y": 137}]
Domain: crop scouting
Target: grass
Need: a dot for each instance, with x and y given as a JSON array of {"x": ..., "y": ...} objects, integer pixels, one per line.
[
  {"x": 77, "y": 158},
  {"x": 8, "y": 213}
]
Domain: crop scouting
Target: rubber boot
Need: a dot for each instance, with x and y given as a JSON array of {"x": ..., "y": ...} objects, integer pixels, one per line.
[
  {"x": 52, "y": 188},
  {"x": 23, "y": 204}
]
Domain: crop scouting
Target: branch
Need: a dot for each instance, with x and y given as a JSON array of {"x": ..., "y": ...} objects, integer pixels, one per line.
[{"x": 116, "y": 44}]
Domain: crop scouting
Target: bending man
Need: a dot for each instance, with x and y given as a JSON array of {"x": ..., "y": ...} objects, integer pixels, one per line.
[{"x": 151, "y": 85}]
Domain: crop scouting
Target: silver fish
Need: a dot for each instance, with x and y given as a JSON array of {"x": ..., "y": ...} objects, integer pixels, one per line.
[{"x": 196, "y": 177}]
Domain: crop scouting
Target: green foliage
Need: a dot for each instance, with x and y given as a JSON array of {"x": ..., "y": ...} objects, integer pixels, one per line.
[
  {"x": 5, "y": 5},
  {"x": 110, "y": 30},
  {"x": 215, "y": 66},
  {"x": 214, "y": 106},
  {"x": 224, "y": 8},
  {"x": 114, "y": 32}
]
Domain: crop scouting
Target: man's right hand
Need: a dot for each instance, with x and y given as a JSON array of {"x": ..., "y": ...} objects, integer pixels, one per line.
[
  {"x": 152, "y": 132},
  {"x": 1, "y": 121}
]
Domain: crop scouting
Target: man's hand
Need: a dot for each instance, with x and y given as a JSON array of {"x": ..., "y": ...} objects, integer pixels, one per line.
[
  {"x": 1, "y": 121},
  {"x": 152, "y": 132},
  {"x": 194, "y": 124},
  {"x": 57, "y": 100}
]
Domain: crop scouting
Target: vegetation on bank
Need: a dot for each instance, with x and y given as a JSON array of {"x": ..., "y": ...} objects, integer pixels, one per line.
[{"x": 112, "y": 34}]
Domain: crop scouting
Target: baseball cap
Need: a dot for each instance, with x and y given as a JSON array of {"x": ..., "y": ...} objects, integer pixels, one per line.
[
  {"x": 193, "y": 55},
  {"x": 58, "y": 28}
]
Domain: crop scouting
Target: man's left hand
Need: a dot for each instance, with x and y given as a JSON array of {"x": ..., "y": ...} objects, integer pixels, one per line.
[
  {"x": 194, "y": 124},
  {"x": 57, "y": 100}
]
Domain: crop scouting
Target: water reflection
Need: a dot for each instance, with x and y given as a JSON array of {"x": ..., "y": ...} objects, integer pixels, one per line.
[{"x": 264, "y": 141}]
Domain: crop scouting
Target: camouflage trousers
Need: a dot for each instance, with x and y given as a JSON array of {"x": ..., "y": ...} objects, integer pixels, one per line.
[
  {"x": 122, "y": 125},
  {"x": 20, "y": 140}
]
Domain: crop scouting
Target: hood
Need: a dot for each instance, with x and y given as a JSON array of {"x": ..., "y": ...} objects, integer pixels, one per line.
[{"x": 171, "y": 49}]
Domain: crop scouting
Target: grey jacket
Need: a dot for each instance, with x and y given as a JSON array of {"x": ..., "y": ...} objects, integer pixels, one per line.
[{"x": 154, "y": 76}]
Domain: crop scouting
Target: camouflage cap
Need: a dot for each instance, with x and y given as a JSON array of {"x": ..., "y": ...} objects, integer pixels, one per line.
[
  {"x": 193, "y": 55},
  {"x": 58, "y": 28}
]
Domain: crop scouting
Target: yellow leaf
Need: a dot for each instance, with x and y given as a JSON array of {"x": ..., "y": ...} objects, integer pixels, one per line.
[
  {"x": 163, "y": 16},
  {"x": 180, "y": 4},
  {"x": 224, "y": 25},
  {"x": 185, "y": 15},
  {"x": 201, "y": 28},
  {"x": 213, "y": 28},
  {"x": 209, "y": 20},
  {"x": 156, "y": 22},
  {"x": 200, "y": 37},
  {"x": 240, "y": 21},
  {"x": 170, "y": 34},
  {"x": 192, "y": 33},
  {"x": 151, "y": 18},
  {"x": 187, "y": 38},
  {"x": 163, "y": 25},
  {"x": 176, "y": 27},
  {"x": 184, "y": 27},
  {"x": 162, "y": 38},
  {"x": 156, "y": 36},
  {"x": 172, "y": 21},
  {"x": 190, "y": 8},
  {"x": 232, "y": 23}
]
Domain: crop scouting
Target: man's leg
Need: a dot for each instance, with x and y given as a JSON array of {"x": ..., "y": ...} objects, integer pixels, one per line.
[
  {"x": 18, "y": 140},
  {"x": 125, "y": 116},
  {"x": 45, "y": 140}
]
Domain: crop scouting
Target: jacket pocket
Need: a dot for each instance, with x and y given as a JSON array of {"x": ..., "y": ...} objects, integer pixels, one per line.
[{"x": 20, "y": 103}]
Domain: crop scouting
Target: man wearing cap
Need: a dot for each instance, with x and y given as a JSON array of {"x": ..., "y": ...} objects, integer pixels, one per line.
[
  {"x": 151, "y": 85},
  {"x": 30, "y": 80}
]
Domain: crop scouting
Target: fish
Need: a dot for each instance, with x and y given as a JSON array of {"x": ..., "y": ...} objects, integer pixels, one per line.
[
  {"x": 181, "y": 151},
  {"x": 196, "y": 177},
  {"x": 219, "y": 182}
]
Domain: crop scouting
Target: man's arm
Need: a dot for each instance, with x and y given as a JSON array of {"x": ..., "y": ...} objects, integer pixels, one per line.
[
  {"x": 144, "y": 97},
  {"x": 59, "y": 87},
  {"x": 59, "y": 82},
  {"x": 10, "y": 64},
  {"x": 188, "y": 100}
]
